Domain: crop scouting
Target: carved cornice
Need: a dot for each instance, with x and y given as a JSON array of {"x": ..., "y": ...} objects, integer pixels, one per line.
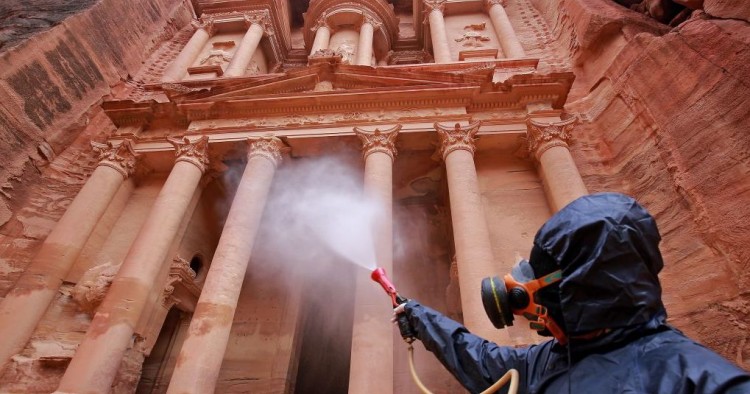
[
  {"x": 457, "y": 138},
  {"x": 205, "y": 23},
  {"x": 180, "y": 276},
  {"x": 268, "y": 147},
  {"x": 120, "y": 157},
  {"x": 542, "y": 136},
  {"x": 194, "y": 152},
  {"x": 378, "y": 141}
]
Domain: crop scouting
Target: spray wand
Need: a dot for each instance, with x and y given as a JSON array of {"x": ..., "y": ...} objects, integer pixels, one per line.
[{"x": 378, "y": 275}]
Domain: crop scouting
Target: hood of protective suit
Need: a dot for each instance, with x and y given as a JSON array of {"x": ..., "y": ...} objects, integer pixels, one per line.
[{"x": 607, "y": 247}]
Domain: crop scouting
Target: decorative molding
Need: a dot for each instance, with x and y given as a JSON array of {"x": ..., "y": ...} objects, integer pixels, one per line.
[
  {"x": 172, "y": 87},
  {"x": 457, "y": 138},
  {"x": 120, "y": 157},
  {"x": 194, "y": 152},
  {"x": 409, "y": 57},
  {"x": 269, "y": 147},
  {"x": 542, "y": 136},
  {"x": 378, "y": 141}
]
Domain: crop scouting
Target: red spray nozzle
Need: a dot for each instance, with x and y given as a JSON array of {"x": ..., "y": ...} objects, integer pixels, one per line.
[{"x": 378, "y": 275}]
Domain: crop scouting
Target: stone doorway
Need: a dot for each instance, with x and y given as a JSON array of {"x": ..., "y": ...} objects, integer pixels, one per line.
[{"x": 158, "y": 366}]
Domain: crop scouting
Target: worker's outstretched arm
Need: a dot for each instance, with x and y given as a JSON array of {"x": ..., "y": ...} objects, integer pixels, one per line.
[{"x": 475, "y": 362}]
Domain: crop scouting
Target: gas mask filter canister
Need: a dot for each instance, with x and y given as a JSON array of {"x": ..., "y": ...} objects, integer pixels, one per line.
[{"x": 514, "y": 295}]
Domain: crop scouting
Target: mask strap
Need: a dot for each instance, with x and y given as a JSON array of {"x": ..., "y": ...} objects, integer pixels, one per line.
[
  {"x": 545, "y": 280},
  {"x": 543, "y": 320}
]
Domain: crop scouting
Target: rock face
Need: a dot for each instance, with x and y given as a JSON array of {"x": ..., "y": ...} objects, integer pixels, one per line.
[{"x": 667, "y": 114}]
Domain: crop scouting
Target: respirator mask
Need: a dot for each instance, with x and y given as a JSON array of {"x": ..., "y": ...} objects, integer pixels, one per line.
[{"x": 518, "y": 293}]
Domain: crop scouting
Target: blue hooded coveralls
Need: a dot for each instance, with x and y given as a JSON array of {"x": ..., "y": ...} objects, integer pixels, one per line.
[{"x": 606, "y": 245}]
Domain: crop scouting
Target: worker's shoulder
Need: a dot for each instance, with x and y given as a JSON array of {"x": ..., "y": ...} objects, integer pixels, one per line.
[{"x": 671, "y": 347}]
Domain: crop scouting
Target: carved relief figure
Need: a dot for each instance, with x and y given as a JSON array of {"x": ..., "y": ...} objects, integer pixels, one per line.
[
  {"x": 218, "y": 54},
  {"x": 472, "y": 36},
  {"x": 346, "y": 50},
  {"x": 252, "y": 69},
  {"x": 472, "y": 39}
]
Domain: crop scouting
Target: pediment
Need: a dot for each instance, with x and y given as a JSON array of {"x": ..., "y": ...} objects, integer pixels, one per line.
[{"x": 331, "y": 78}]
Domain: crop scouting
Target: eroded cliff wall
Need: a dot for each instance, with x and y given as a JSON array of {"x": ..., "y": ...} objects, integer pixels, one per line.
[
  {"x": 57, "y": 69},
  {"x": 665, "y": 117}
]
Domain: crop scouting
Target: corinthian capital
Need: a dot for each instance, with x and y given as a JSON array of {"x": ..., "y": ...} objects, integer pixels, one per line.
[
  {"x": 542, "y": 136},
  {"x": 120, "y": 157},
  {"x": 373, "y": 21},
  {"x": 432, "y": 5},
  {"x": 489, "y": 3},
  {"x": 322, "y": 22},
  {"x": 268, "y": 147},
  {"x": 457, "y": 138},
  {"x": 206, "y": 24},
  {"x": 194, "y": 152},
  {"x": 261, "y": 18},
  {"x": 378, "y": 141}
]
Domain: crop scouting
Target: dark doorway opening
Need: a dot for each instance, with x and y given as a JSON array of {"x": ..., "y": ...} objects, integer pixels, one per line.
[{"x": 328, "y": 315}]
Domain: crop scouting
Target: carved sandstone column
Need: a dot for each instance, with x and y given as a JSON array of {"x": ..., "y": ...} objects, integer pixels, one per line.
[
  {"x": 24, "y": 306},
  {"x": 364, "y": 47},
  {"x": 179, "y": 66},
  {"x": 259, "y": 24},
  {"x": 98, "y": 357},
  {"x": 504, "y": 30},
  {"x": 372, "y": 334},
  {"x": 202, "y": 352},
  {"x": 548, "y": 143},
  {"x": 437, "y": 30},
  {"x": 470, "y": 234},
  {"x": 322, "y": 36}
]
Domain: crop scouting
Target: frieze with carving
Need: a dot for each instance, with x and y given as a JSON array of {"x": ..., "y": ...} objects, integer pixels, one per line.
[{"x": 321, "y": 119}]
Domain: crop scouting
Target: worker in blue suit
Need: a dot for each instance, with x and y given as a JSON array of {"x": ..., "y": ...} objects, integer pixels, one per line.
[{"x": 591, "y": 282}]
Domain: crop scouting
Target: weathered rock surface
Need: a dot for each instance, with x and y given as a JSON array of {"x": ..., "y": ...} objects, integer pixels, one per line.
[{"x": 666, "y": 114}]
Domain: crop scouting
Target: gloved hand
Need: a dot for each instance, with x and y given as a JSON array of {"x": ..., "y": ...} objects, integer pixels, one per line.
[{"x": 399, "y": 318}]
